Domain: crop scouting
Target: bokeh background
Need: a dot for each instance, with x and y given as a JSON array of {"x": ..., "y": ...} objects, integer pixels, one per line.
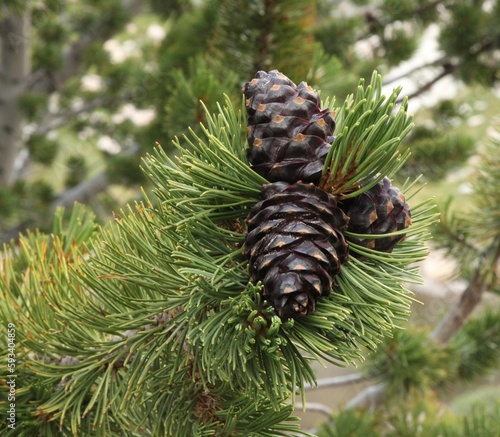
[{"x": 88, "y": 88}]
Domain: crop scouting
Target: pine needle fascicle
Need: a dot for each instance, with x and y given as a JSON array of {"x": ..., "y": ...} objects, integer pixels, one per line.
[{"x": 366, "y": 147}]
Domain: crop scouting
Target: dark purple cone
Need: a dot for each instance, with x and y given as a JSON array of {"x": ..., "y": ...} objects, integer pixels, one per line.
[
  {"x": 380, "y": 210},
  {"x": 289, "y": 135},
  {"x": 295, "y": 245}
]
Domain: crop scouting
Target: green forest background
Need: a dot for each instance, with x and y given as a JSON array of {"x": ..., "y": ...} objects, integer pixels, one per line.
[{"x": 88, "y": 89}]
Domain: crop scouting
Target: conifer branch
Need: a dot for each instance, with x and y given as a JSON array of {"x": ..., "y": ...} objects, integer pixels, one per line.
[
  {"x": 470, "y": 298},
  {"x": 447, "y": 69},
  {"x": 53, "y": 121},
  {"x": 398, "y": 78},
  {"x": 221, "y": 361},
  {"x": 87, "y": 189},
  {"x": 483, "y": 234}
]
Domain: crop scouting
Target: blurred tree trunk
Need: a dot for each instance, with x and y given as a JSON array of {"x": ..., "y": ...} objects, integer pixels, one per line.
[{"x": 14, "y": 69}]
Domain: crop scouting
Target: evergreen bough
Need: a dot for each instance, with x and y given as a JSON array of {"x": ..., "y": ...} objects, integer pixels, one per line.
[{"x": 151, "y": 327}]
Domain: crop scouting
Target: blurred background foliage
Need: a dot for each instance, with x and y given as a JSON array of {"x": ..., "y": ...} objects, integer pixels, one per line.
[{"x": 102, "y": 82}]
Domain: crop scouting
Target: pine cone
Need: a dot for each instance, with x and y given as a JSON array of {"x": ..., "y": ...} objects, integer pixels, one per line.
[
  {"x": 289, "y": 135},
  {"x": 380, "y": 210},
  {"x": 295, "y": 245}
]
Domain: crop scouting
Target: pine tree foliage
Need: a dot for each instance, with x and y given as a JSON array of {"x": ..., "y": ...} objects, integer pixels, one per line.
[
  {"x": 478, "y": 346},
  {"x": 415, "y": 417},
  {"x": 366, "y": 145},
  {"x": 475, "y": 234},
  {"x": 189, "y": 91},
  {"x": 40, "y": 260},
  {"x": 261, "y": 35},
  {"x": 234, "y": 39},
  {"x": 454, "y": 352},
  {"x": 410, "y": 362},
  {"x": 417, "y": 371},
  {"x": 153, "y": 327}
]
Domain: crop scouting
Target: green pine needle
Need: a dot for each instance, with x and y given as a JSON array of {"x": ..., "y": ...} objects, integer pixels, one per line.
[{"x": 367, "y": 146}]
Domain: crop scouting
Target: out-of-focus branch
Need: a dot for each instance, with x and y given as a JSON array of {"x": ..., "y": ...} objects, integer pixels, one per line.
[
  {"x": 436, "y": 63},
  {"x": 84, "y": 191},
  {"x": 370, "y": 397},
  {"x": 12, "y": 233},
  {"x": 470, "y": 298},
  {"x": 315, "y": 407},
  {"x": 88, "y": 188},
  {"x": 47, "y": 82},
  {"x": 448, "y": 68},
  {"x": 54, "y": 121},
  {"x": 333, "y": 381}
]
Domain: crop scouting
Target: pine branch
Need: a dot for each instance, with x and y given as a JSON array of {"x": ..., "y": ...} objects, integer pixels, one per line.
[
  {"x": 457, "y": 315},
  {"x": 222, "y": 362},
  {"x": 367, "y": 147},
  {"x": 485, "y": 235},
  {"x": 449, "y": 67}
]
